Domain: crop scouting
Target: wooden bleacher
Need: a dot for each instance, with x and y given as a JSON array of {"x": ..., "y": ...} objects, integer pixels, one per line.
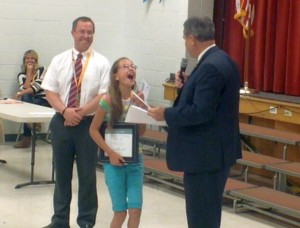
[
  {"x": 282, "y": 170},
  {"x": 159, "y": 138},
  {"x": 255, "y": 160},
  {"x": 276, "y": 204},
  {"x": 270, "y": 202},
  {"x": 286, "y": 138},
  {"x": 233, "y": 185},
  {"x": 157, "y": 170},
  {"x": 156, "y": 138}
]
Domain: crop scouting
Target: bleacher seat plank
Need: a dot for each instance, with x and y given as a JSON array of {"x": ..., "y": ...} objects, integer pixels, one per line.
[
  {"x": 160, "y": 167},
  {"x": 157, "y": 170},
  {"x": 233, "y": 184},
  {"x": 270, "y": 134},
  {"x": 158, "y": 138},
  {"x": 290, "y": 168},
  {"x": 155, "y": 136},
  {"x": 281, "y": 171},
  {"x": 281, "y": 202},
  {"x": 258, "y": 160}
]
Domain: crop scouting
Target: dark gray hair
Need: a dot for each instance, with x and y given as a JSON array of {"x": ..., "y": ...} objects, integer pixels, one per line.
[{"x": 202, "y": 28}]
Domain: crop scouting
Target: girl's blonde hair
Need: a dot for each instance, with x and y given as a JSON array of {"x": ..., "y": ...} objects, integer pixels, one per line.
[{"x": 116, "y": 105}]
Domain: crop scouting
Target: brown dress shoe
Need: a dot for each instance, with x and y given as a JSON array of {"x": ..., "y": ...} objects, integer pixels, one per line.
[
  {"x": 38, "y": 126},
  {"x": 24, "y": 143}
]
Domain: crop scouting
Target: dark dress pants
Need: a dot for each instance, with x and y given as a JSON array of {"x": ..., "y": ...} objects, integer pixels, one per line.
[
  {"x": 203, "y": 195},
  {"x": 69, "y": 144}
]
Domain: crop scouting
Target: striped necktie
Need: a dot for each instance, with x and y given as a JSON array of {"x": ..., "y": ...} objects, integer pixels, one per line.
[{"x": 74, "y": 91}]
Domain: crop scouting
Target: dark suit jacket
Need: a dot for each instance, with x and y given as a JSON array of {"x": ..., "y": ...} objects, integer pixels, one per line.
[{"x": 203, "y": 124}]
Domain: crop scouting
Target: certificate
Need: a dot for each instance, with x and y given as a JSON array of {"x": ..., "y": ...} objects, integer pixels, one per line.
[{"x": 122, "y": 138}]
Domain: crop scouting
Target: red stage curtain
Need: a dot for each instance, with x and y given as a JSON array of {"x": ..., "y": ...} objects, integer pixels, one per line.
[{"x": 274, "y": 53}]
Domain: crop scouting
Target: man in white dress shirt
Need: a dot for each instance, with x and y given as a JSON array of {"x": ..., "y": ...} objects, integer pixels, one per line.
[{"x": 69, "y": 127}]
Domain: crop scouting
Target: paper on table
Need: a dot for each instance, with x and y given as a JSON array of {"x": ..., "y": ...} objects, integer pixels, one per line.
[
  {"x": 138, "y": 115},
  {"x": 10, "y": 101},
  {"x": 42, "y": 113}
]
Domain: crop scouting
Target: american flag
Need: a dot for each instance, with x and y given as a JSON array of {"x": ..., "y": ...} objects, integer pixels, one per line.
[{"x": 245, "y": 15}]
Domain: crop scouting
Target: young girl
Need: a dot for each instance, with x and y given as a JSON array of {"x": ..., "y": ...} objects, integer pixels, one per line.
[{"x": 124, "y": 181}]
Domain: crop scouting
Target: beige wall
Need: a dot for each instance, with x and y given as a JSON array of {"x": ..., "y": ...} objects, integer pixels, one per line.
[{"x": 149, "y": 33}]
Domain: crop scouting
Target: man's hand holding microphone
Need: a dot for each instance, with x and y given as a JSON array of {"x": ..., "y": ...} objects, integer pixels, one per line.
[{"x": 180, "y": 76}]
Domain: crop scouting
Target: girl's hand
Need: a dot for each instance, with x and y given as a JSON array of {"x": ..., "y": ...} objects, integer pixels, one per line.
[
  {"x": 138, "y": 102},
  {"x": 29, "y": 67},
  {"x": 116, "y": 159}
]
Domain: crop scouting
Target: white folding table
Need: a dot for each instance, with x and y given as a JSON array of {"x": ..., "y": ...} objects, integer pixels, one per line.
[{"x": 22, "y": 112}]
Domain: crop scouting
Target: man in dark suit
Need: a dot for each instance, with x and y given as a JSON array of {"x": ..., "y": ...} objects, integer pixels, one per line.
[{"x": 203, "y": 125}]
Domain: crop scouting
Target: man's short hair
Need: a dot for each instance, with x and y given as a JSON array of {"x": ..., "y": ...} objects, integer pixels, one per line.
[
  {"x": 202, "y": 28},
  {"x": 84, "y": 19}
]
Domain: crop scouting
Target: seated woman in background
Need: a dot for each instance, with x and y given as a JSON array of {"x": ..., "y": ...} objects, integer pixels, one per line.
[{"x": 30, "y": 80}]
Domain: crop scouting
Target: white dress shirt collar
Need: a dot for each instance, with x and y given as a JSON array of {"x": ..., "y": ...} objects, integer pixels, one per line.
[
  {"x": 75, "y": 53},
  {"x": 205, "y": 50}
]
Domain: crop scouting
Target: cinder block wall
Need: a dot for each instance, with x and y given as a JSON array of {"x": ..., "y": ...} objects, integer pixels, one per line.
[{"x": 149, "y": 33}]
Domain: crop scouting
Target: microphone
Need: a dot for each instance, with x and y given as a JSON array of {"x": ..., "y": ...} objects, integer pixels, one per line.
[{"x": 183, "y": 66}]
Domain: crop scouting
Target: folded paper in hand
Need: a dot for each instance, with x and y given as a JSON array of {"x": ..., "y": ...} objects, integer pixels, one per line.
[{"x": 138, "y": 115}]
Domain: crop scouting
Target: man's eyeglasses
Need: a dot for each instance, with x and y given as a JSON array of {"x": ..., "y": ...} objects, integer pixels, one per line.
[
  {"x": 128, "y": 66},
  {"x": 83, "y": 33}
]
